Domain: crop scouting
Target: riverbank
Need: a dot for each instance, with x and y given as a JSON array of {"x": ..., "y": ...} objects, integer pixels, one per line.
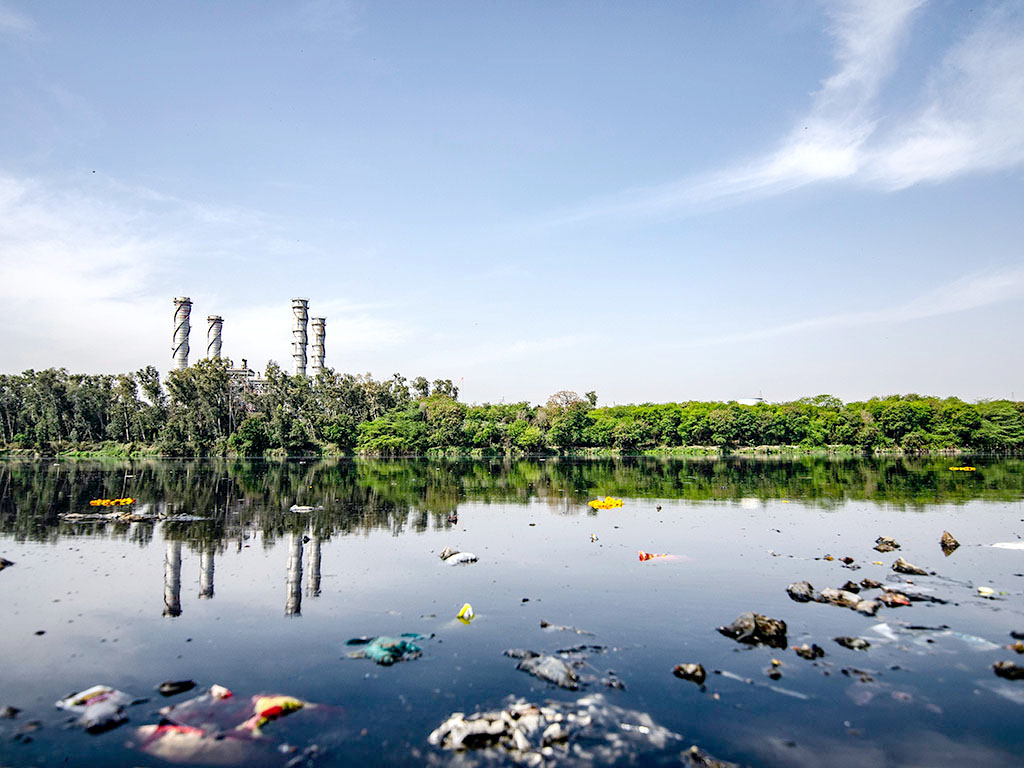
[{"x": 136, "y": 451}]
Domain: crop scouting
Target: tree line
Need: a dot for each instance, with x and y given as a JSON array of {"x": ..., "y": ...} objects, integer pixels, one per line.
[{"x": 204, "y": 410}]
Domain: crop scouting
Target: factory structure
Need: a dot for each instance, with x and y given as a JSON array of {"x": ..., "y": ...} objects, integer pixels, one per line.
[{"x": 244, "y": 374}]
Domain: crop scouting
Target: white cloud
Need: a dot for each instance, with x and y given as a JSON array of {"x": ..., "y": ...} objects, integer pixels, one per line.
[
  {"x": 972, "y": 119},
  {"x": 87, "y": 281},
  {"x": 973, "y": 291}
]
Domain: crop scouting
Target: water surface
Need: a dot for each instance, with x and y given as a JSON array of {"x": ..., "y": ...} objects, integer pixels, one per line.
[{"x": 259, "y": 598}]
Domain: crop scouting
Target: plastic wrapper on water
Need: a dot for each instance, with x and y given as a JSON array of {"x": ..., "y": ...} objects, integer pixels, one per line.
[{"x": 99, "y": 708}]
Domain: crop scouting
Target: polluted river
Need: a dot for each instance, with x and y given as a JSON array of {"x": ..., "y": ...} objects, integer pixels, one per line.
[{"x": 630, "y": 611}]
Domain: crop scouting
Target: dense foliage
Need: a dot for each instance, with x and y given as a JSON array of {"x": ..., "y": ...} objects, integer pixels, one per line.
[{"x": 205, "y": 410}]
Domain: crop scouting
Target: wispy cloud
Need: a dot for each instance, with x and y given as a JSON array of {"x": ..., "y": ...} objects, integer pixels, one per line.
[
  {"x": 87, "y": 277},
  {"x": 16, "y": 23},
  {"x": 970, "y": 121},
  {"x": 973, "y": 291},
  {"x": 973, "y": 118}
]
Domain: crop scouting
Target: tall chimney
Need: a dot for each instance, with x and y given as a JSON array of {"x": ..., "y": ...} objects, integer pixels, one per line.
[
  {"x": 319, "y": 336},
  {"x": 300, "y": 308},
  {"x": 179, "y": 350},
  {"x": 214, "y": 325}
]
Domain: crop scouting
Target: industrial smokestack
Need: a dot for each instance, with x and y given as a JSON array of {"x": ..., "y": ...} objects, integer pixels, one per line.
[
  {"x": 300, "y": 308},
  {"x": 179, "y": 350},
  {"x": 215, "y": 323},
  {"x": 319, "y": 337}
]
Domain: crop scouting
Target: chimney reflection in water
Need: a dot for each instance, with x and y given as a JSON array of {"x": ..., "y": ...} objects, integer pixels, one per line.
[
  {"x": 293, "y": 607},
  {"x": 172, "y": 579},
  {"x": 313, "y": 587},
  {"x": 206, "y": 572}
]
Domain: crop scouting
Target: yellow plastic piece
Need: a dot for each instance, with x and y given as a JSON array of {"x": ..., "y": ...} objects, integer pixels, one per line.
[
  {"x": 465, "y": 614},
  {"x": 608, "y": 502}
]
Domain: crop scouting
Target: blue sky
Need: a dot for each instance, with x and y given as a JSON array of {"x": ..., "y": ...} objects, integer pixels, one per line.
[{"x": 657, "y": 201}]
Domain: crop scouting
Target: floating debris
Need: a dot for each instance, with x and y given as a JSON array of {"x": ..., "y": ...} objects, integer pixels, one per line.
[
  {"x": 1009, "y": 670},
  {"x": 581, "y": 733},
  {"x": 454, "y": 557},
  {"x": 892, "y": 599},
  {"x": 174, "y": 687},
  {"x": 962, "y": 469},
  {"x": 809, "y": 652},
  {"x": 867, "y": 607},
  {"x": 608, "y": 502},
  {"x": 699, "y": 759},
  {"x": 111, "y": 502},
  {"x": 5, "y": 563},
  {"x": 902, "y": 566},
  {"x": 387, "y": 650},
  {"x": 839, "y": 597},
  {"x": 465, "y": 614},
  {"x": 100, "y": 708},
  {"x": 801, "y": 592},
  {"x": 853, "y": 643},
  {"x": 769, "y": 686},
  {"x": 218, "y": 728},
  {"x": 886, "y": 544},
  {"x": 645, "y": 556},
  {"x": 948, "y": 543},
  {"x": 693, "y": 672},
  {"x": 303, "y": 508},
  {"x": 755, "y": 628},
  {"x": 562, "y": 628},
  {"x": 551, "y": 669}
]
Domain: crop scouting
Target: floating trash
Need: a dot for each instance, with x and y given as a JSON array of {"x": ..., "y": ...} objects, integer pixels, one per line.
[
  {"x": 582, "y": 733},
  {"x": 962, "y": 469},
  {"x": 100, "y": 708},
  {"x": 218, "y": 728},
  {"x": 454, "y": 557},
  {"x": 693, "y": 672},
  {"x": 608, "y": 502},
  {"x": 563, "y": 628},
  {"x": 645, "y": 556},
  {"x": 111, "y": 502},
  {"x": 550, "y": 669},
  {"x": 465, "y": 614},
  {"x": 755, "y": 628},
  {"x": 387, "y": 650}
]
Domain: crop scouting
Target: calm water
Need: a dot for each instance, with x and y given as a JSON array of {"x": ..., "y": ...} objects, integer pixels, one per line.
[{"x": 262, "y": 599}]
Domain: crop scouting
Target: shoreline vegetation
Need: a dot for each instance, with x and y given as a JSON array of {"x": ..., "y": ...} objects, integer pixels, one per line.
[{"x": 204, "y": 411}]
